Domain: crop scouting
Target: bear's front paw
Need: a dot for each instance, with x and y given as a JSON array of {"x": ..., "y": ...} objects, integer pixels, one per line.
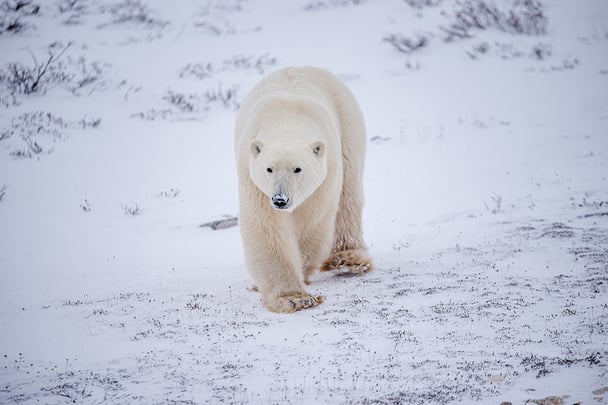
[
  {"x": 292, "y": 302},
  {"x": 354, "y": 261}
]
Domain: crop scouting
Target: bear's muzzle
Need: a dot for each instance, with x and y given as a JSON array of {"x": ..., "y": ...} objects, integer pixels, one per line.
[{"x": 280, "y": 201}]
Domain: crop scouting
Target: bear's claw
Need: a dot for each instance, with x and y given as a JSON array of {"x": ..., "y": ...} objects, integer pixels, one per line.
[
  {"x": 352, "y": 260},
  {"x": 293, "y": 302}
]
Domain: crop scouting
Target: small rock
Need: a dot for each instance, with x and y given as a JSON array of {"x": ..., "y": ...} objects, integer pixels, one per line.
[
  {"x": 550, "y": 400},
  {"x": 600, "y": 391},
  {"x": 223, "y": 223},
  {"x": 379, "y": 139}
]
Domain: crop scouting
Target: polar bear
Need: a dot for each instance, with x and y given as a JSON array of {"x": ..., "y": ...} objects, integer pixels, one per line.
[{"x": 300, "y": 146}]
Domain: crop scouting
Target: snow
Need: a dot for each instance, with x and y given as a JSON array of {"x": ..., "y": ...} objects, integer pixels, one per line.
[{"x": 486, "y": 208}]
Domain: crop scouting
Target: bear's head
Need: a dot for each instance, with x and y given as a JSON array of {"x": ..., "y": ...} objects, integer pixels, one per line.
[{"x": 288, "y": 173}]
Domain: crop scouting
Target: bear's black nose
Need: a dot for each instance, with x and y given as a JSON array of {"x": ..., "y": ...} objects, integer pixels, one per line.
[{"x": 280, "y": 201}]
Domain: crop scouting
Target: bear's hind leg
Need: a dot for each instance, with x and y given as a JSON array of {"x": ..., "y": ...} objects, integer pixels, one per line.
[
  {"x": 317, "y": 244},
  {"x": 354, "y": 261},
  {"x": 349, "y": 251}
]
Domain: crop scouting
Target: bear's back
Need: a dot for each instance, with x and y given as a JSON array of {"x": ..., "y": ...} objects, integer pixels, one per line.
[
  {"x": 295, "y": 81},
  {"x": 305, "y": 82}
]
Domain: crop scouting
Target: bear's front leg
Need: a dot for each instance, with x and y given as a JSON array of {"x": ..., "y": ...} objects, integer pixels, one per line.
[
  {"x": 281, "y": 285},
  {"x": 275, "y": 263}
]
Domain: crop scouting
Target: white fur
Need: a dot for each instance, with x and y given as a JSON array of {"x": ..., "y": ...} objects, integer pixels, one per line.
[{"x": 300, "y": 142}]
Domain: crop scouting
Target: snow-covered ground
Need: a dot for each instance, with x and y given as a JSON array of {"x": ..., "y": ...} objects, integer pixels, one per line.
[{"x": 486, "y": 203}]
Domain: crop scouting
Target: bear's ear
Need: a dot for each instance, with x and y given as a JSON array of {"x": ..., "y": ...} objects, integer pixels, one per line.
[
  {"x": 255, "y": 148},
  {"x": 318, "y": 148}
]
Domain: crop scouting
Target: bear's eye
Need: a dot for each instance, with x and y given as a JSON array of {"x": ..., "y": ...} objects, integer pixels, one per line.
[
  {"x": 269, "y": 170},
  {"x": 297, "y": 170}
]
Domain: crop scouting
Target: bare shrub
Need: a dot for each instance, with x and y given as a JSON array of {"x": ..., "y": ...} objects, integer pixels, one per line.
[
  {"x": 132, "y": 209},
  {"x": 85, "y": 206},
  {"x": 88, "y": 122},
  {"x": 186, "y": 103},
  {"x": 196, "y": 303},
  {"x": 407, "y": 45},
  {"x": 240, "y": 62},
  {"x": 250, "y": 62},
  {"x": 7, "y": 99},
  {"x": 505, "y": 51},
  {"x": 84, "y": 76},
  {"x": 217, "y": 27},
  {"x": 224, "y": 97},
  {"x": 171, "y": 193},
  {"x": 525, "y": 17},
  {"x": 478, "y": 50},
  {"x": 28, "y": 79},
  {"x": 154, "y": 114},
  {"x": 132, "y": 12},
  {"x": 73, "y": 6},
  {"x": 31, "y": 128},
  {"x": 497, "y": 203},
  {"x": 322, "y": 4},
  {"x": 13, "y": 13},
  {"x": 32, "y": 149},
  {"x": 222, "y": 7},
  {"x": 197, "y": 70},
  {"x": 519, "y": 17},
  {"x": 81, "y": 387},
  {"x": 183, "y": 102},
  {"x": 3, "y": 189},
  {"x": 217, "y": 18},
  {"x": 508, "y": 51},
  {"x": 35, "y": 130},
  {"x": 57, "y": 68},
  {"x": 420, "y": 4},
  {"x": 541, "y": 51},
  {"x": 566, "y": 64},
  {"x": 6, "y": 134},
  {"x": 75, "y": 10}
]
